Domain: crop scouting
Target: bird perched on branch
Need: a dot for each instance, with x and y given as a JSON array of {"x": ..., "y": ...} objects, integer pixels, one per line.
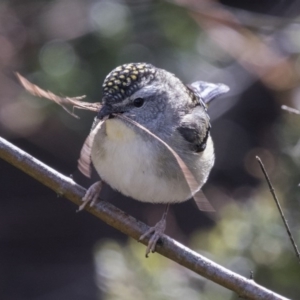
[{"x": 151, "y": 139}]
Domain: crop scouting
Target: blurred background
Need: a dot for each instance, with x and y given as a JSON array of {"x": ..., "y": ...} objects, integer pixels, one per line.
[{"x": 47, "y": 251}]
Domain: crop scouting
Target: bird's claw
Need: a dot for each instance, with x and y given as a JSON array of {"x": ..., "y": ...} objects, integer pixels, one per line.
[
  {"x": 157, "y": 231},
  {"x": 91, "y": 195}
]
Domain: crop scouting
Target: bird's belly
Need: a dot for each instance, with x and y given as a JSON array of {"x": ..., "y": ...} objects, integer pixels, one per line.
[{"x": 129, "y": 164}]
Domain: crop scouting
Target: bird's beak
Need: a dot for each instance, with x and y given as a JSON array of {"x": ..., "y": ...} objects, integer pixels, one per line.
[{"x": 105, "y": 111}]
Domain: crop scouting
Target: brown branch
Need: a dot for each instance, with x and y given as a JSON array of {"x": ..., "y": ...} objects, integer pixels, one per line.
[
  {"x": 272, "y": 190},
  {"x": 123, "y": 222}
]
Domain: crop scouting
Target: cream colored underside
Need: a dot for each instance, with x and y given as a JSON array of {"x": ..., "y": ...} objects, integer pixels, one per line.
[{"x": 126, "y": 163}]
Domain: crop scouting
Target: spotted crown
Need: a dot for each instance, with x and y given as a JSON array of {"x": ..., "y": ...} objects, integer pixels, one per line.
[{"x": 124, "y": 80}]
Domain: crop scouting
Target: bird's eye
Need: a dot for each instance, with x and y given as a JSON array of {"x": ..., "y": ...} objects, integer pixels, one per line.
[{"x": 138, "y": 102}]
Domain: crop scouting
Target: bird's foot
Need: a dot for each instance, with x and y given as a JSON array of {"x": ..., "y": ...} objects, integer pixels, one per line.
[
  {"x": 157, "y": 231},
  {"x": 91, "y": 195}
]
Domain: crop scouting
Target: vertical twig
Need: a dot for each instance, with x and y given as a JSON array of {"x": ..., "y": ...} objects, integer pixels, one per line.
[{"x": 272, "y": 190}]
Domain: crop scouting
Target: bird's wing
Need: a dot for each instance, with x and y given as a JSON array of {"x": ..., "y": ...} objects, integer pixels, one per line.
[
  {"x": 194, "y": 128},
  {"x": 195, "y": 125}
]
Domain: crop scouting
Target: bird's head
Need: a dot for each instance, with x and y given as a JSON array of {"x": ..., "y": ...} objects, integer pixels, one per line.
[{"x": 151, "y": 96}]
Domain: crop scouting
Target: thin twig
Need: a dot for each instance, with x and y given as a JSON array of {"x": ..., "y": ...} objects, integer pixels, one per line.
[
  {"x": 74, "y": 102},
  {"x": 290, "y": 109},
  {"x": 272, "y": 190},
  {"x": 125, "y": 223}
]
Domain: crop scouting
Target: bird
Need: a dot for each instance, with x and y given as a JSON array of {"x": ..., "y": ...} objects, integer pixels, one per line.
[{"x": 151, "y": 139}]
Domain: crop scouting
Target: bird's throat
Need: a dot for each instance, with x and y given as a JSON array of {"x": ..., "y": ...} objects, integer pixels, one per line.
[{"x": 117, "y": 130}]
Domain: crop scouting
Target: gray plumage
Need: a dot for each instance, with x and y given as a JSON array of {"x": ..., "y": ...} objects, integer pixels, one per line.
[{"x": 135, "y": 163}]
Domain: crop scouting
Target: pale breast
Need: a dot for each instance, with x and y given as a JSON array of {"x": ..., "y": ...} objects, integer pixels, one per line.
[{"x": 127, "y": 163}]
